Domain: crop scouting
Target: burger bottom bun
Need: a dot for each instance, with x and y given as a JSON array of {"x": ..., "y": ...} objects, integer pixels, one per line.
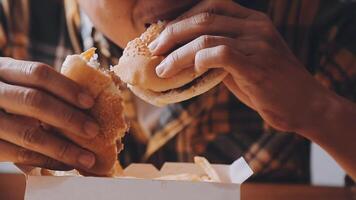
[{"x": 198, "y": 86}]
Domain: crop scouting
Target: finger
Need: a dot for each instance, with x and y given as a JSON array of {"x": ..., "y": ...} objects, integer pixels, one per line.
[
  {"x": 43, "y": 77},
  {"x": 19, "y": 155},
  {"x": 226, "y": 7},
  {"x": 201, "y": 24},
  {"x": 236, "y": 90},
  {"x": 24, "y": 133},
  {"x": 39, "y": 105},
  {"x": 184, "y": 56},
  {"x": 237, "y": 64}
]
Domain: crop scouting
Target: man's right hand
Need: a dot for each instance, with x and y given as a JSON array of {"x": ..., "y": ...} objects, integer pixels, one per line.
[{"x": 34, "y": 97}]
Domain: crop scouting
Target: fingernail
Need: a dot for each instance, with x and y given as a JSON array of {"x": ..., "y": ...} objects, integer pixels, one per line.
[
  {"x": 87, "y": 160},
  {"x": 152, "y": 46},
  {"x": 85, "y": 100},
  {"x": 91, "y": 128},
  {"x": 160, "y": 69}
]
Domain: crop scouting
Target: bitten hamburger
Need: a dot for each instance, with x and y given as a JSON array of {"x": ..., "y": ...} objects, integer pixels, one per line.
[
  {"x": 107, "y": 110},
  {"x": 137, "y": 68}
]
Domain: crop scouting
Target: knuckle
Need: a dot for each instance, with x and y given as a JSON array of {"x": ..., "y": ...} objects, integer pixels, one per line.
[
  {"x": 64, "y": 151},
  {"x": 169, "y": 33},
  {"x": 38, "y": 72},
  {"x": 169, "y": 30},
  {"x": 33, "y": 98},
  {"x": 205, "y": 18},
  {"x": 69, "y": 116},
  {"x": 205, "y": 41},
  {"x": 32, "y": 137}
]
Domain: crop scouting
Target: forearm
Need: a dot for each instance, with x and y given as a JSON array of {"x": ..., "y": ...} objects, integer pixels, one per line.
[{"x": 335, "y": 131}]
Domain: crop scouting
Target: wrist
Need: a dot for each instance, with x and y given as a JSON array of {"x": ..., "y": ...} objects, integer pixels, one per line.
[
  {"x": 321, "y": 109},
  {"x": 328, "y": 113}
]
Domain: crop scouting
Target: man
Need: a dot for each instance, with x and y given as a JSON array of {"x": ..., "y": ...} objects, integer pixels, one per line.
[{"x": 266, "y": 74}]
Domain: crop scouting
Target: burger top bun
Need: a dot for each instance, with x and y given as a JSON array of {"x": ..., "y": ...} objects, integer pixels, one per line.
[
  {"x": 137, "y": 65},
  {"x": 137, "y": 68}
]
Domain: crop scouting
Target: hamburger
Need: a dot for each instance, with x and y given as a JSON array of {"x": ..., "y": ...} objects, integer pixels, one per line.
[
  {"x": 137, "y": 65},
  {"x": 107, "y": 110}
]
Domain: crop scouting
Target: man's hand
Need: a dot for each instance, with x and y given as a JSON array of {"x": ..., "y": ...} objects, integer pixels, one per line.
[
  {"x": 264, "y": 73},
  {"x": 33, "y": 98}
]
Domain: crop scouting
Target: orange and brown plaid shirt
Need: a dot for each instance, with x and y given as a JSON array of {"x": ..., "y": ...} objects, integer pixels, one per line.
[{"x": 322, "y": 34}]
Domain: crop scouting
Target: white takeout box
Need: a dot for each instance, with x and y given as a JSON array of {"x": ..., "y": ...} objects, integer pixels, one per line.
[{"x": 143, "y": 188}]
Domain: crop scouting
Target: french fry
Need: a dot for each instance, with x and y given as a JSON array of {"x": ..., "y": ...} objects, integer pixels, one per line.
[
  {"x": 47, "y": 172},
  {"x": 204, "y": 164},
  {"x": 209, "y": 176},
  {"x": 88, "y": 54}
]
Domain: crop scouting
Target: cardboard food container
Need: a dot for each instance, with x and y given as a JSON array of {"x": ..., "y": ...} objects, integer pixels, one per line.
[{"x": 143, "y": 186}]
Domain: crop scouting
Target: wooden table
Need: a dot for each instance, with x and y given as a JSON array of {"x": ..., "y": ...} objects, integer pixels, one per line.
[
  {"x": 12, "y": 187},
  {"x": 294, "y": 192}
]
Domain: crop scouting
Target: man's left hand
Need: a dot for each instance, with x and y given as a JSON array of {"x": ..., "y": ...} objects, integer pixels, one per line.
[{"x": 263, "y": 72}]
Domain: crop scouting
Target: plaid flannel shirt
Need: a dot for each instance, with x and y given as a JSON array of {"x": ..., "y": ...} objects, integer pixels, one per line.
[{"x": 322, "y": 34}]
